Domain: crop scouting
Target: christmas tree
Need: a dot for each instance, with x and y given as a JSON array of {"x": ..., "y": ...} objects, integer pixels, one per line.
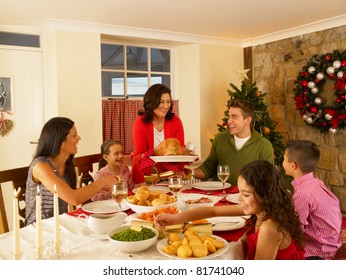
[{"x": 262, "y": 122}]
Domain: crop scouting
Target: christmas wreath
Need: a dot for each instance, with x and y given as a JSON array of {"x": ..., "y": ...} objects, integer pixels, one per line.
[{"x": 309, "y": 97}]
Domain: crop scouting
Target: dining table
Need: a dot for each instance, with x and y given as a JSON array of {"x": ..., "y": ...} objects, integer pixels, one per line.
[{"x": 76, "y": 245}]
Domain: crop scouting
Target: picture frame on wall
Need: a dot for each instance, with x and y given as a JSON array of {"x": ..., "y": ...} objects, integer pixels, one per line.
[{"x": 6, "y": 94}]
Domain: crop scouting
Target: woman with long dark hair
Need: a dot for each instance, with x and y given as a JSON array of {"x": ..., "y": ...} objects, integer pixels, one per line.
[{"x": 53, "y": 166}]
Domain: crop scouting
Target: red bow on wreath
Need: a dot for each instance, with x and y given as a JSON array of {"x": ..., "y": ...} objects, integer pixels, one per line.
[
  {"x": 300, "y": 101},
  {"x": 340, "y": 83},
  {"x": 335, "y": 120}
]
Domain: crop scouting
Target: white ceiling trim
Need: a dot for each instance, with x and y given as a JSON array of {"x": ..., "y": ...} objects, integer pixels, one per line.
[
  {"x": 173, "y": 38},
  {"x": 298, "y": 31}
]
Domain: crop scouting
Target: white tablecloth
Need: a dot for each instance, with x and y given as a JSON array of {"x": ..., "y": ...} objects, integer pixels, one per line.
[{"x": 79, "y": 247}]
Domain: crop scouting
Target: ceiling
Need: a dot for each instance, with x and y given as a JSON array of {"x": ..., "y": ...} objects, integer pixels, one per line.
[{"x": 222, "y": 19}]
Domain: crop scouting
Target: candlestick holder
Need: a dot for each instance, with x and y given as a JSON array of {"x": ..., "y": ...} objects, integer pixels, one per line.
[
  {"x": 17, "y": 256},
  {"x": 40, "y": 253},
  {"x": 54, "y": 250}
]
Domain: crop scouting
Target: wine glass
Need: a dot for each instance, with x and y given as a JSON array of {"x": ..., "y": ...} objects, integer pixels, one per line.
[
  {"x": 119, "y": 192},
  {"x": 175, "y": 184},
  {"x": 223, "y": 175}
]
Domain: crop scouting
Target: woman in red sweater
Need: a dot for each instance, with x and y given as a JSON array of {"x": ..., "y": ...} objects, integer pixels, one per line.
[{"x": 155, "y": 123}]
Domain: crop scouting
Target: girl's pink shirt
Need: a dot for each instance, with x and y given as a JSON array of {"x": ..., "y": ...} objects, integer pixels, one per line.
[{"x": 106, "y": 192}]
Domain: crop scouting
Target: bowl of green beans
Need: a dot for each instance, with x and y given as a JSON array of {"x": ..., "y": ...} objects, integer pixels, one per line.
[{"x": 129, "y": 240}]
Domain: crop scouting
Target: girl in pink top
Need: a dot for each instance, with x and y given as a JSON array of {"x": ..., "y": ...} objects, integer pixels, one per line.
[{"x": 111, "y": 163}]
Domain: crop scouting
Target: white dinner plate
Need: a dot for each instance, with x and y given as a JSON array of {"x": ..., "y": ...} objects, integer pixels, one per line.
[
  {"x": 234, "y": 198},
  {"x": 104, "y": 207},
  {"x": 226, "y": 223},
  {"x": 155, "y": 188},
  {"x": 93, "y": 235},
  {"x": 194, "y": 196},
  {"x": 163, "y": 242},
  {"x": 173, "y": 158},
  {"x": 210, "y": 185}
]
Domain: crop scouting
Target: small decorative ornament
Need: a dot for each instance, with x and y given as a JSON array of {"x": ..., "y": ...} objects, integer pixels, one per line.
[
  {"x": 320, "y": 76},
  {"x": 336, "y": 64},
  {"x": 330, "y": 70},
  {"x": 315, "y": 90},
  {"x": 311, "y": 69},
  {"x": 5, "y": 124},
  {"x": 340, "y": 74},
  {"x": 328, "y": 117},
  {"x": 318, "y": 100},
  {"x": 310, "y": 82},
  {"x": 333, "y": 130},
  {"x": 243, "y": 73},
  {"x": 309, "y": 120}
]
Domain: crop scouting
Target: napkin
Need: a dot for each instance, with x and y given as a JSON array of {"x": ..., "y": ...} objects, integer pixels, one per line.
[{"x": 77, "y": 212}]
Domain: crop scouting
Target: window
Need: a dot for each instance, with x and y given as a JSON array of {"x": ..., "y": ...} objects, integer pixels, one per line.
[
  {"x": 17, "y": 39},
  {"x": 128, "y": 71}
]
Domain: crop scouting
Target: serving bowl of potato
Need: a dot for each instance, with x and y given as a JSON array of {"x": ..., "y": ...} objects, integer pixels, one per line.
[
  {"x": 146, "y": 200},
  {"x": 192, "y": 245}
]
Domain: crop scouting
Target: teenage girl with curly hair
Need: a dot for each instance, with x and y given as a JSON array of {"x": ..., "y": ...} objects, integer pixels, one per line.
[{"x": 273, "y": 230}]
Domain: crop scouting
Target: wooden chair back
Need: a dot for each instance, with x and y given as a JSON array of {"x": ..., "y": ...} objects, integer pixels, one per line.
[
  {"x": 84, "y": 166},
  {"x": 18, "y": 178}
]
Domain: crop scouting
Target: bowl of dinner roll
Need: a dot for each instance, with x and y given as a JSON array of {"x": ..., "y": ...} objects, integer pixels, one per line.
[{"x": 146, "y": 200}]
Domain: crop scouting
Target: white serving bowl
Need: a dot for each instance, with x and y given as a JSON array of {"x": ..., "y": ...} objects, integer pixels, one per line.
[
  {"x": 187, "y": 206},
  {"x": 144, "y": 209},
  {"x": 131, "y": 246}
]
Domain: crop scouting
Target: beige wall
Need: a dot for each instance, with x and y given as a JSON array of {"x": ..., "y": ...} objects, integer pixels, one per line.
[
  {"x": 187, "y": 89},
  {"x": 203, "y": 75},
  {"x": 74, "y": 89},
  {"x": 217, "y": 70}
]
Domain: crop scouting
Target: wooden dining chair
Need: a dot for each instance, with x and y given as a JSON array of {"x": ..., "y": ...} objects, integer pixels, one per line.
[
  {"x": 84, "y": 169},
  {"x": 17, "y": 179},
  {"x": 84, "y": 166}
]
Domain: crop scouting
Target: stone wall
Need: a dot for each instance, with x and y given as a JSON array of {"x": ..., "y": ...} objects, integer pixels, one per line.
[{"x": 275, "y": 68}]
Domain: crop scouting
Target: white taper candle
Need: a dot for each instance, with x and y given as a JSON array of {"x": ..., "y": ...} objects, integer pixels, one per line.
[
  {"x": 56, "y": 222},
  {"x": 16, "y": 233},
  {"x": 39, "y": 241}
]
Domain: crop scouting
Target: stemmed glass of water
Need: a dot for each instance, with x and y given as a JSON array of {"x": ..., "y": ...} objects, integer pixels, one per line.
[
  {"x": 175, "y": 184},
  {"x": 119, "y": 192},
  {"x": 223, "y": 175}
]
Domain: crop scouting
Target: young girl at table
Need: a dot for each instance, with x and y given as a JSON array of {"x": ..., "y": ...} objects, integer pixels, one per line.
[
  {"x": 273, "y": 230},
  {"x": 52, "y": 170},
  {"x": 111, "y": 163}
]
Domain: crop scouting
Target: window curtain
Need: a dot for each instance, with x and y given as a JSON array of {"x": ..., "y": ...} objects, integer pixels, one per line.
[{"x": 118, "y": 117}]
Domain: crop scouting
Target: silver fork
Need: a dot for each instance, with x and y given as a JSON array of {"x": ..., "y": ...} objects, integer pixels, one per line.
[
  {"x": 157, "y": 225},
  {"x": 214, "y": 224}
]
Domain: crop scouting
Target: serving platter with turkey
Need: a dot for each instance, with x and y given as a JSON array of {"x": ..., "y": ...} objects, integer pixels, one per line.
[{"x": 170, "y": 150}]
